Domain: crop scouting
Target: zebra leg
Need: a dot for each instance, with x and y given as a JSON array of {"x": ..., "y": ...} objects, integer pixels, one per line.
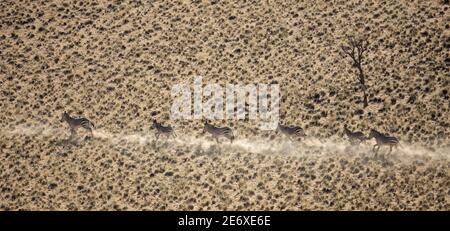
[
  {"x": 390, "y": 149},
  {"x": 157, "y": 136},
  {"x": 72, "y": 133},
  {"x": 217, "y": 139},
  {"x": 167, "y": 138},
  {"x": 376, "y": 152},
  {"x": 230, "y": 137},
  {"x": 92, "y": 132}
]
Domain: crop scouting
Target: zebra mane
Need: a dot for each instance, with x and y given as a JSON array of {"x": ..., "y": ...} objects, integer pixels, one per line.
[{"x": 377, "y": 132}]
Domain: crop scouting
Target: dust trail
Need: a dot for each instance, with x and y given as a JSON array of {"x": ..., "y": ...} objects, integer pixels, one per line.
[
  {"x": 99, "y": 133},
  {"x": 138, "y": 138},
  {"x": 33, "y": 130},
  {"x": 310, "y": 146},
  {"x": 419, "y": 151},
  {"x": 258, "y": 145},
  {"x": 254, "y": 145}
]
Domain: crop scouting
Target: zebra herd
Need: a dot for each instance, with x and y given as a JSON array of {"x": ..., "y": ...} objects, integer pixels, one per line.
[
  {"x": 380, "y": 138},
  {"x": 216, "y": 132}
]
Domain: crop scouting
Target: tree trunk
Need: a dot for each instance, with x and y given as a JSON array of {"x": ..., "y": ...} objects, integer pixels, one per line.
[
  {"x": 362, "y": 81},
  {"x": 365, "y": 99}
]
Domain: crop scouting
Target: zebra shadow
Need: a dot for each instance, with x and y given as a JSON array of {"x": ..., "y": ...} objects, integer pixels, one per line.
[
  {"x": 352, "y": 148},
  {"x": 71, "y": 141},
  {"x": 65, "y": 142},
  {"x": 210, "y": 151},
  {"x": 157, "y": 145},
  {"x": 385, "y": 159},
  {"x": 214, "y": 149}
]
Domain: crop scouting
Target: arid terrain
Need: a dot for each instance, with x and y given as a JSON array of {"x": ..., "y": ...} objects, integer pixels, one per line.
[{"x": 115, "y": 63}]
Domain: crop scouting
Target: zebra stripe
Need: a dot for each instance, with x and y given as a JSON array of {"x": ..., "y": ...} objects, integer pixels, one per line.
[
  {"x": 160, "y": 129},
  {"x": 76, "y": 122},
  {"x": 291, "y": 131},
  {"x": 354, "y": 136},
  {"x": 217, "y": 132},
  {"x": 382, "y": 140}
]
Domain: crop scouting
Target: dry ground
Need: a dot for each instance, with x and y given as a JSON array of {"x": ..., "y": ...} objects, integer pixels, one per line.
[{"x": 115, "y": 63}]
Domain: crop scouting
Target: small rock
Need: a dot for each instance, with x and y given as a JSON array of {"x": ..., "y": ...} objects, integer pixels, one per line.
[{"x": 168, "y": 174}]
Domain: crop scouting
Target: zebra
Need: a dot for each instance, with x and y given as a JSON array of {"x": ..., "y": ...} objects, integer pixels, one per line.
[
  {"x": 381, "y": 140},
  {"x": 354, "y": 137},
  {"x": 291, "y": 131},
  {"x": 76, "y": 122},
  {"x": 165, "y": 130},
  {"x": 217, "y": 132}
]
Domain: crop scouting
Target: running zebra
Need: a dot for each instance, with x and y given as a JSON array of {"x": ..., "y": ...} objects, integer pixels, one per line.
[
  {"x": 382, "y": 140},
  {"x": 354, "y": 137},
  {"x": 76, "y": 122},
  {"x": 293, "y": 131},
  {"x": 217, "y": 132},
  {"x": 165, "y": 130}
]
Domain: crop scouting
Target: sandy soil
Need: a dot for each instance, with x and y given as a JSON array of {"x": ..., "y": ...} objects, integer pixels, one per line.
[{"x": 115, "y": 63}]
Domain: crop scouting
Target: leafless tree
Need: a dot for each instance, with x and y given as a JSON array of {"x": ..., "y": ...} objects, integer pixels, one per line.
[{"x": 355, "y": 49}]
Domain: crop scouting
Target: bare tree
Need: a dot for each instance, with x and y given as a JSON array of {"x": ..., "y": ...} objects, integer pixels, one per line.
[{"x": 355, "y": 49}]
